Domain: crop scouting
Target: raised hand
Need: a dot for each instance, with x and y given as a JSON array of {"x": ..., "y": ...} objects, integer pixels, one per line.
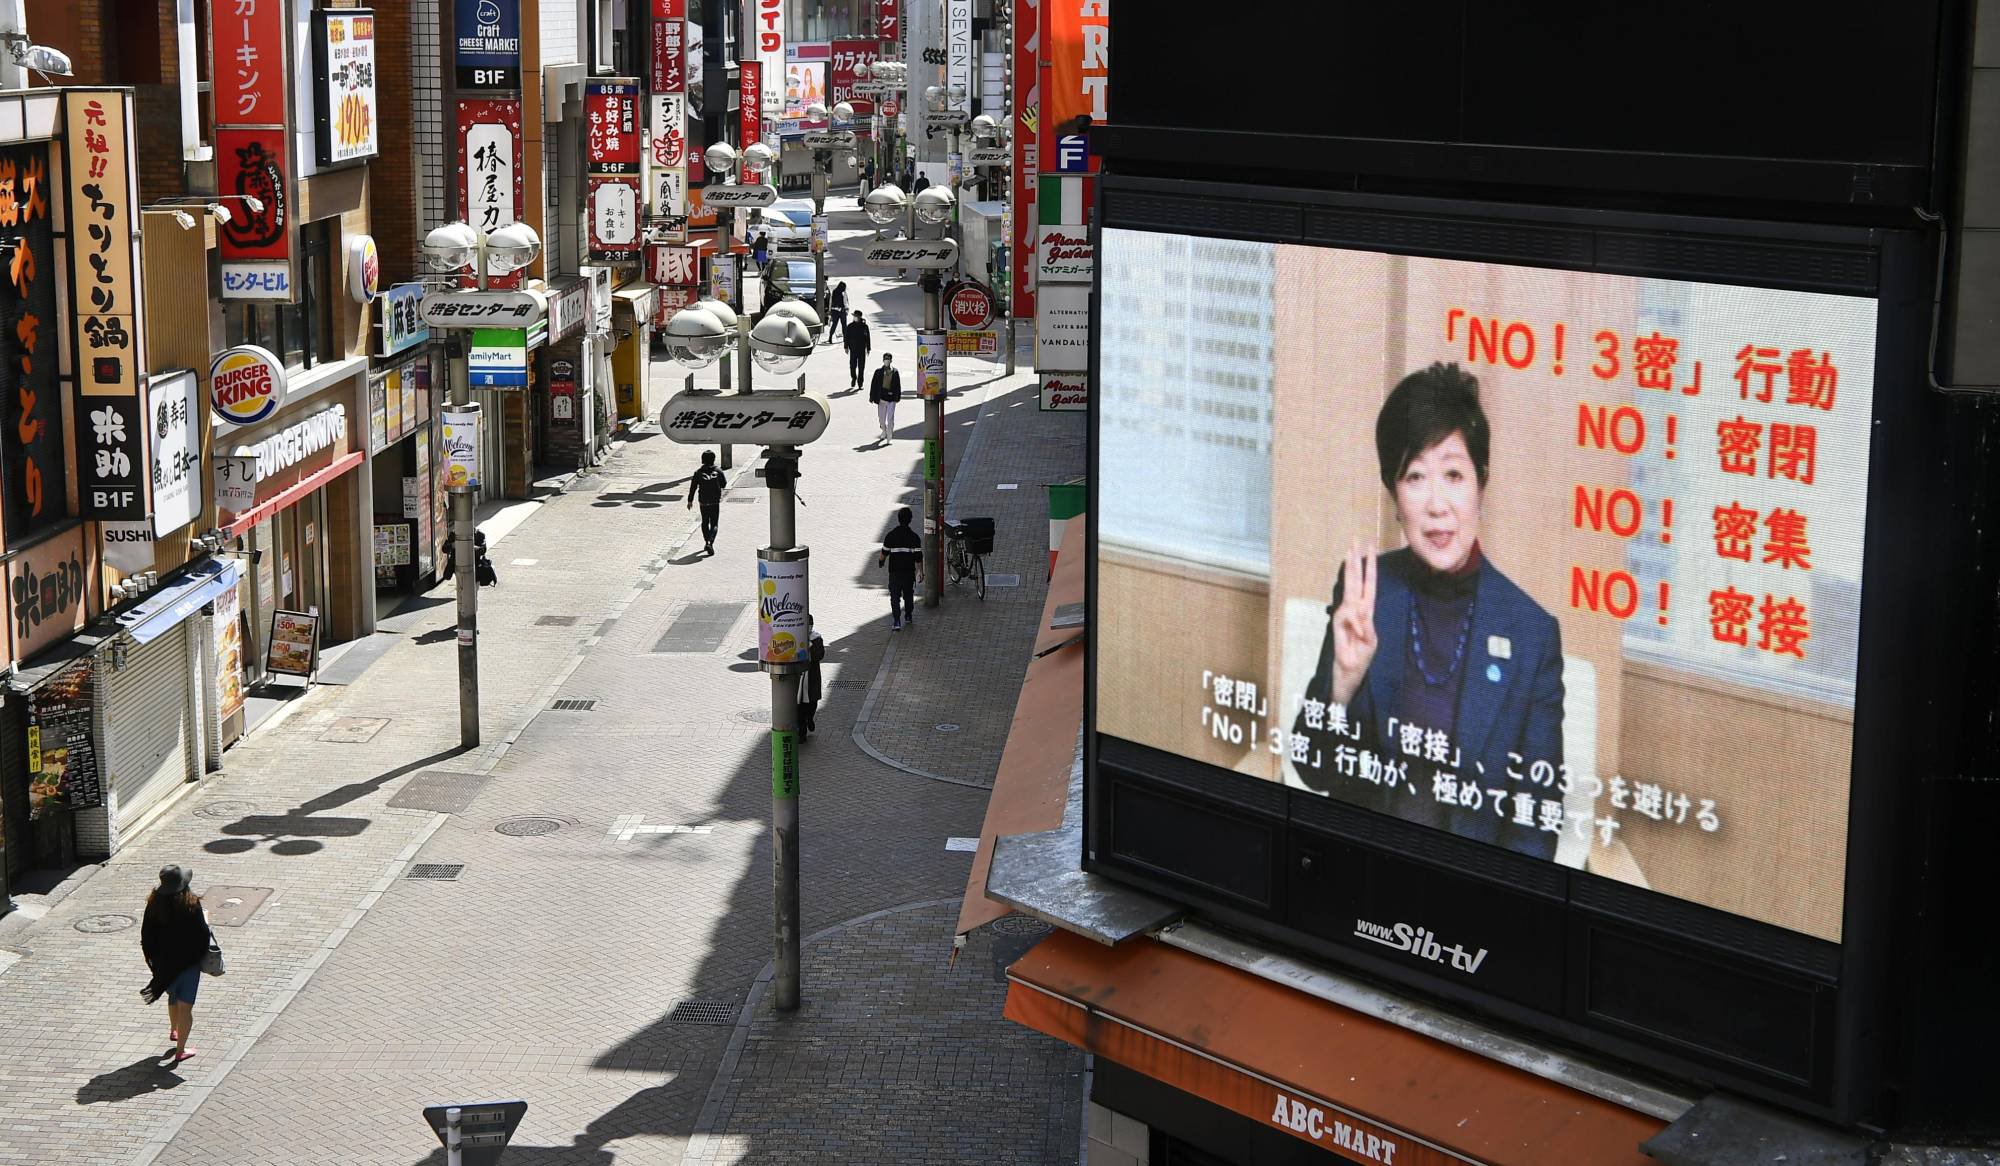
[{"x": 1354, "y": 623}]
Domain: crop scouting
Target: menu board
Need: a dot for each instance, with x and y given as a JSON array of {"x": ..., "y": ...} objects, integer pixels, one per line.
[
  {"x": 228, "y": 654},
  {"x": 294, "y": 647},
  {"x": 62, "y": 754}
]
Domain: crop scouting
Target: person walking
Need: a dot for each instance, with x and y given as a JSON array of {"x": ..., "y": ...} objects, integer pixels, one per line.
[
  {"x": 809, "y": 685},
  {"x": 707, "y": 484},
  {"x": 885, "y": 390},
  {"x": 858, "y": 343},
  {"x": 175, "y": 938},
  {"x": 836, "y": 316},
  {"x": 760, "y": 250},
  {"x": 903, "y": 554},
  {"x": 923, "y": 183}
]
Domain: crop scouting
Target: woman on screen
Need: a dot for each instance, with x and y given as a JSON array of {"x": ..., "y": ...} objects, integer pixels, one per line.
[{"x": 1431, "y": 638}]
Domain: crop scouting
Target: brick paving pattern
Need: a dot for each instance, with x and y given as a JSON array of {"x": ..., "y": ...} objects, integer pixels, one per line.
[{"x": 550, "y": 967}]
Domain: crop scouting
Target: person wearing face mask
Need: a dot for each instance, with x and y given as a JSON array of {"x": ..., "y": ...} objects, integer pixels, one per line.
[
  {"x": 1433, "y": 635},
  {"x": 885, "y": 390}
]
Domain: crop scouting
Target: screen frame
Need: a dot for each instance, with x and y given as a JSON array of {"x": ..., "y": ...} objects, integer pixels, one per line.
[{"x": 1843, "y": 984}]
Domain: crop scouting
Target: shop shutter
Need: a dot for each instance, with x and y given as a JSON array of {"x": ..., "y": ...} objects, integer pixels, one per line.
[{"x": 149, "y": 725}]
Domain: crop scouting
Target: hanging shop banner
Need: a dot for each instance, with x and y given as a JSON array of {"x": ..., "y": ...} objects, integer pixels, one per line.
[
  {"x": 461, "y": 445},
  {"x": 1064, "y": 392},
  {"x": 294, "y": 647},
  {"x": 247, "y": 42},
  {"x": 765, "y": 29},
  {"x": 749, "y": 117},
  {"x": 668, "y": 121},
  {"x": 402, "y": 325},
  {"x": 669, "y": 74},
  {"x": 1063, "y": 253},
  {"x": 344, "y": 84},
  {"x": 487, "y": 55},
  {"x": 104, "y": 269},
  {"x": 614, "y": 218},
  {"x": 782, "y": 607},
  {"x": 62, "y": 749},
  {"x": 235, "y": 483},
  {"x": 567, "y": 310},
  {"x": 45, "y": 600},
  {"x": 670, "y": 199},
  {"x": 1062, "y": 328},
  {"x": 489, "y": 170},
  {"x": 498, "y": 358},
  {"x": 33, "y": 433},
  {"x": 255, "y": 243},
  {"x": 246, "y": 384},
  {"x": 958, "y": 50},
  {"x": 173, "y": 401},
  {"x": 930, "y": 364},
  {"x": 228, "y": 641},
  {"x": 1077, "y": 75},
  {"x": 562, "y": 392},
  {"x": 1025, "y": 144},
  {"x": 840, "y": 79},
  {"x": 611, "y": 126},
  {"x": 889, "y": 21},
  {"x": 670, "y": 266}
]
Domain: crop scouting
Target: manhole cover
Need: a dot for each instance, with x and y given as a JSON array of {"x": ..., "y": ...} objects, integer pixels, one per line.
[
  {"x": 354, "y": 730},
  {"x": 574, "y": 706},
  {"x": 947, "y": 727},
  {"x": 435, "y": 870},
  {"x": 1020, "y": 925},
  {"x": 528, "y": 827},
  {"x": 700, "y": 628},
  {"x": 556, "y": 621},
  {"x": 225, "y": 810},
  {"x": 755, "y": 716},
  {"x": 716, "y": 1012},
  {"x": 233, "y": 906},
  {"x": 439, "y": 791},
  {"x": 104, "y": 924}
]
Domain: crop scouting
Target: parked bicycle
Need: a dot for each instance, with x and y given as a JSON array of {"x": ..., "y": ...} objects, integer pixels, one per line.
[{"x": 967, "y": 543}]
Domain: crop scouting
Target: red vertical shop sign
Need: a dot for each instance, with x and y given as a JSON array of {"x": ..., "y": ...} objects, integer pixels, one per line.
[
  {"x": 888, "y": 21},
  {"x": 247, "y": 38},
  {"x": 750, "y": 115},
  {"x": 669, "y": 46},
  {"x": 1027, "y": 155},
  {"x": 1078, "y": 73},
  {"x": 846, "y": 54},
  {"x": 611, "y": 127}
]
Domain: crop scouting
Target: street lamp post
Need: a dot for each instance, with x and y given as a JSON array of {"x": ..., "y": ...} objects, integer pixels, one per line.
[
  {"x": 500, "y": 252},
  {"x": 823, "y": 147},
  {"x": 780, "y": 342}
]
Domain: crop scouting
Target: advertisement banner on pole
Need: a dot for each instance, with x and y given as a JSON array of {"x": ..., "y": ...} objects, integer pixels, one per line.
[
  {"x": 1025, "y": 144},
  {"x": 669, "y": 72},
  {"x": 461, "y": 445},
  {"x": 782, "y": 607},
  {"x": 930, "y": 364}
]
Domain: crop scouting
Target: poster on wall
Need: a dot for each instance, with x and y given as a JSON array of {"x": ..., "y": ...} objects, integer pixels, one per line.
[
  {"x": 344, "y": 84},
  {"x": 1532, "y": 550},
  {"x": 173, "y": 402},
  {"x": 62, "y": 749},
  {"x": 294, "y": 647},
  {"x": 228, "y": 637}
]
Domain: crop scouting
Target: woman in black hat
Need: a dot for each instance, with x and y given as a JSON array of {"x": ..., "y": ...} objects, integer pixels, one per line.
[{"x": 175, "y": 938}]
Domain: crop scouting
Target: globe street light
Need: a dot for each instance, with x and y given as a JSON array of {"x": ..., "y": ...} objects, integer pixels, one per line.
[
  {"x": 721, "y": 158},
  {"x": 695, "y": 337},
  {"x": 781, "y": 342},
  {"x": 933, "y": 204},
  {"x": 885, "y": 203},
  {"x": 798, "y": 310}
]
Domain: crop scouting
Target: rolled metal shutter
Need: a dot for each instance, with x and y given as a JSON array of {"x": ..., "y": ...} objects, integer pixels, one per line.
[{"x": 148, "y": 757}]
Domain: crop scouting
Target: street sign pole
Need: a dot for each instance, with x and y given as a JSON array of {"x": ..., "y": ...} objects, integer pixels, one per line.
[
  {"x": 465, "y": 553},
  {"x": 933, "y": 285}
]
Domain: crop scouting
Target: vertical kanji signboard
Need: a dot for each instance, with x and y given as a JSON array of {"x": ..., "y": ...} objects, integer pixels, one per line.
[
  {"x": 252, "y": 144},
  {"x": 104, "y": 294}
]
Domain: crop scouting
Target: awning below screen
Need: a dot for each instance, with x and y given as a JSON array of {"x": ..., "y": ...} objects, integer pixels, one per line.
[{"x": 1361, "y": 1088}]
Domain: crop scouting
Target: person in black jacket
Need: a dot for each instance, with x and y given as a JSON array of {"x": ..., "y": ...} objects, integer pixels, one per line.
[
  {"x": 175, "y": 939},
  {"x": 809, "y": 682},
  {"x": 707, "y": 486},
  {"x": 885, "y": 390},
  {"x": 836, "y": 318},
  {"x": 903, "y": 554},
  {"x": 858, "y": 343}
]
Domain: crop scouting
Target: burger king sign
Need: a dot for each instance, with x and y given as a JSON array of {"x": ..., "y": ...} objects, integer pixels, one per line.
[{"x": 246, "y": 384}]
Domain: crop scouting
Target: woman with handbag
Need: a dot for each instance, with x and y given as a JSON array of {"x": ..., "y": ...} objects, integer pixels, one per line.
[{"x": 179, "y": 947}]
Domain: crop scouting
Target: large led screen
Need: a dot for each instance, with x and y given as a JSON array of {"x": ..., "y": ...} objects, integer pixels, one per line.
[{"x": 1564, "y": 563}]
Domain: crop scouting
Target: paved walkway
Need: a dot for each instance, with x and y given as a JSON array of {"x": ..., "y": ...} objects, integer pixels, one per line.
[{"x": 598, "y": 951}]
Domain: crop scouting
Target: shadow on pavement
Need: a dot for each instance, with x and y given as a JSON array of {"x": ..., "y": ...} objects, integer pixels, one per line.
[
  {"x": 292, "y": 832},
  {"x": 137, "y": 1079}
]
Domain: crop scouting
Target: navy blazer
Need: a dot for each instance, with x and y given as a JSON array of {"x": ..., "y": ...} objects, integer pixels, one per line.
[{"x": 1510, "y": 702}]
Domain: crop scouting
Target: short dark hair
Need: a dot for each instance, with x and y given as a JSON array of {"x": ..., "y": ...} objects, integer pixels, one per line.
[
  {"x": 707, "y": 456},
  {"x": 1423, "y": 409},
  {"x": 903, "y": 516}
]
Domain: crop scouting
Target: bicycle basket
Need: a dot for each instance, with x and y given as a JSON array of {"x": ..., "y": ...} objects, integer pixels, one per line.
[{"x": 978, "y": 535}]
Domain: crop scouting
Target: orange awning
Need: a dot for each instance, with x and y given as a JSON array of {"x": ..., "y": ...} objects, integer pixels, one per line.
[
  {"x": 1361, "y": 1088},
  {"x": 1032, "y": 783}
]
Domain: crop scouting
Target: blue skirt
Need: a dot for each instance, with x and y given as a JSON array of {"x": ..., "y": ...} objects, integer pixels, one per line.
[{"x": 185, "y": 985}]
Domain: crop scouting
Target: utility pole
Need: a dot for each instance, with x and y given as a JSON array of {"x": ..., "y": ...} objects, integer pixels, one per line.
[
  {"x": 933, "y": 286},
  {"x": 783, "y": 557},
  {"x": 464, "y": 505}
]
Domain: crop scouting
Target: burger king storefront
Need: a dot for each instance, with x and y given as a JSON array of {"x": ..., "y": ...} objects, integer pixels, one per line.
[{"x": 299, "y": 526}]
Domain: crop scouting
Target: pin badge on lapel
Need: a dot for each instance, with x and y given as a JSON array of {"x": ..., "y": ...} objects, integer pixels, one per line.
[
  {"x": 1500, "y": 647},
  {"x": 1493, "y": 673}
]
